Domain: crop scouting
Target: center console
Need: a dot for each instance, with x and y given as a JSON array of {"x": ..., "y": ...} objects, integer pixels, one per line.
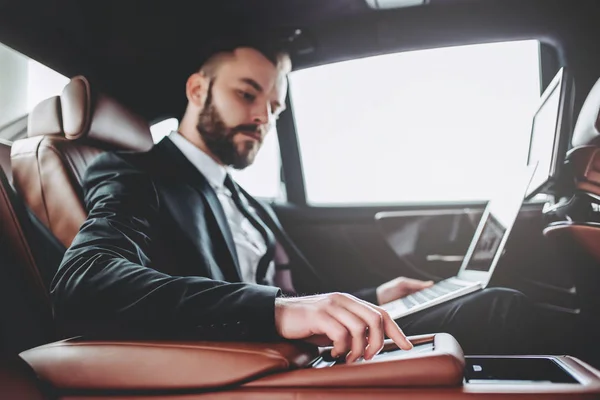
[{"x": 434, "y": 368}]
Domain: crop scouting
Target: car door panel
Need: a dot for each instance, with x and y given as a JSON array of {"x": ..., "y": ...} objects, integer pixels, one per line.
[
  {"x": 365, "y": 247},
  {"x": 433, "y": 242},
  {"x": 354, "y": 248}
]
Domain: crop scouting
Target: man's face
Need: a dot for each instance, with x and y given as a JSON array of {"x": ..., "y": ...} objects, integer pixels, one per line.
[{"x": 243, "y": 101}]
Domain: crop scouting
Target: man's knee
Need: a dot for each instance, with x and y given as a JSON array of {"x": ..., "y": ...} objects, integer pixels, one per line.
[
  {"x": 507, "y": 305},
  {"x": 502, "y": 295}
]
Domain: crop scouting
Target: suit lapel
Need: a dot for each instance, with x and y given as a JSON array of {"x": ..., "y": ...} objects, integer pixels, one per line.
[{"x": 190, "y": 175}]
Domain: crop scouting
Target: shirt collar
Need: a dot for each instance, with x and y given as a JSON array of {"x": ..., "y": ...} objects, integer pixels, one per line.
[{"x": 214, "y": 172}]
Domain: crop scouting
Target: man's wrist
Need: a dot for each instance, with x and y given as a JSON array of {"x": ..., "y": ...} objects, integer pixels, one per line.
[{"x": 278, "y": 310}]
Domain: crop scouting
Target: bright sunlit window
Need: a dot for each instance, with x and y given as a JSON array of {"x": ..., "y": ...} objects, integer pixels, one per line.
[
  {"x": 43, "y": 82},
  {"x": 262, "y": 179},
  {"x": 24, "y": 83},
  {"x": 163, "y": 128},
  {"x": 441, "y": 125}
]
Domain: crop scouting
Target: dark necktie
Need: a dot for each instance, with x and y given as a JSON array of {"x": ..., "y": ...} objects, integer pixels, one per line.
[{"x": 266, "y": 233}]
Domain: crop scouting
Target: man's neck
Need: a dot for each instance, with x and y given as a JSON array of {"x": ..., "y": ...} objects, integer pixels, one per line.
[{"x": 213, "y": 171}]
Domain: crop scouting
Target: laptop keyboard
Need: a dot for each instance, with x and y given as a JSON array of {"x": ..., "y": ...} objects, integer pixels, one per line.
[{"x": 438, "y": 290}]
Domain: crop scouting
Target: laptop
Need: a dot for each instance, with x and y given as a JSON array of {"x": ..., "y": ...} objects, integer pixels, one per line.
[{"x": 483, "y": 254}]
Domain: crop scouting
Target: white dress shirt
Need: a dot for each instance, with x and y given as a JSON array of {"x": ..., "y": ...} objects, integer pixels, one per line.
[{"x": 249, "y": 243}]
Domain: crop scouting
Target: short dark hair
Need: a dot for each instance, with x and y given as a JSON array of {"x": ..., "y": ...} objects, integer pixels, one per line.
[{"x": 274, "y": 51}]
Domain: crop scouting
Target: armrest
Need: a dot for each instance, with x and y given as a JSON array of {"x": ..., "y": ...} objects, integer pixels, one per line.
[
  {"x": 103, "y": 365},
  {"x": 436, "y": 360},
  {"x": 91, "y": 366}
]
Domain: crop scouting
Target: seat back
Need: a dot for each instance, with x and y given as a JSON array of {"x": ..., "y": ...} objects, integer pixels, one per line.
[
  {"x": 25, "y": 310},
  {"x": 575, "y": 226},
  {"x": 48, "y": 250},
  {"x": 581, "y": 181},
  {"x": 65, "y": 134},
  {"x": 25, "y": 307},
  {"x": 584, "y": 158}
]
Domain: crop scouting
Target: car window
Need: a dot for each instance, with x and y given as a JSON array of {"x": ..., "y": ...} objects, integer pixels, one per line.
[
  {"x": 161, "y": 129},
  {"x": 261, "y": 179},
  {"x": 438, "y": 125},
  {"x": 24, "y": 82}
]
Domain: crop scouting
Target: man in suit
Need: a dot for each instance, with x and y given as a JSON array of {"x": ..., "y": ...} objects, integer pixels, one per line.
[{"x": 172, "y": 246}]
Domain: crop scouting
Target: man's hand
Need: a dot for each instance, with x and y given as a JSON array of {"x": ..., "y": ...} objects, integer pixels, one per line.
[
  {"x": 398, "y": 288},
  {"x": 339, "y": 319}
]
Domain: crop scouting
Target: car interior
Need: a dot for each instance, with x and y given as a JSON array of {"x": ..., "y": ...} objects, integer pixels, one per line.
[{"x": 404, "y": 117}]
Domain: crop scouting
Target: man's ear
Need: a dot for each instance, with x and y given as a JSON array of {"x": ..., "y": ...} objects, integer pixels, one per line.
[{"x": 196, "y": 89}]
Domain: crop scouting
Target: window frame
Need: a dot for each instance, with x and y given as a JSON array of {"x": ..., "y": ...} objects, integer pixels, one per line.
[{"x": 551, "y": 59}]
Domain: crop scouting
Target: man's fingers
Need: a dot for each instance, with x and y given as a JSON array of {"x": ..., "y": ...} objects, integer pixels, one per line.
[
  {"x": 415, "y": 284},
  {"x": 390, "y": 328},
  {"x": 348, "y": 322},
  {"x": 357, "y": 328},
  {"x": 373, "y": 319},
  {"x": 336, "y": 332},
  {"x": 393, "y": 331}
]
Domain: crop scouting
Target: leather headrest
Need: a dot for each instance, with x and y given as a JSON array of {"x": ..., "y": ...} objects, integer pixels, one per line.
[
  {"x": 587, "y": 128},
  {"x": 45, "y": 118},
  {"x": 585, "y": 164},
  {"x": 98, "y": 117}
]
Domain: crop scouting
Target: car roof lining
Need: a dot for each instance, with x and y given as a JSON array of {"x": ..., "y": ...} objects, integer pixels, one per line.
[{"x": 145, "y": 63}]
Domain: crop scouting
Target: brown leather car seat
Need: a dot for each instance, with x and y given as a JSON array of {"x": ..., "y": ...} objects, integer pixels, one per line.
[
  {"x": 25, "y": 306},
  {"x": 19, "y": 381},
  {"x": 575, "y": 229},
  {"x": 585, "y": 155},
  {"x": 579, "y": 217},
  {"x": 26, "y": 311},
  {"x": 65, "y": 134}
]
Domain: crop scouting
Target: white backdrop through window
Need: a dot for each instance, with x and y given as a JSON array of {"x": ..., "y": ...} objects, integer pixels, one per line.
[
  {"x": 43, "y": 82},
  {"x": 263, "y": 177},
  {"x": 439, "y": 125},
  {"x": 24, "y": 83}
]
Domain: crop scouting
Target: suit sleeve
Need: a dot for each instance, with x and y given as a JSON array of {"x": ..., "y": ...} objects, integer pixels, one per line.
[
  {"x": 367, "y": 294},
  {"x": 104, "y": 278}
]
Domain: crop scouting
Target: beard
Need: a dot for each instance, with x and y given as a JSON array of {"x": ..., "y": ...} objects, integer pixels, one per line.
[{"x": 218, "y": 137}]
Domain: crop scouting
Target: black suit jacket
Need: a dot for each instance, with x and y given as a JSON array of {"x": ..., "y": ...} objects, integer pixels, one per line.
[{"x": 156, "y": 256}]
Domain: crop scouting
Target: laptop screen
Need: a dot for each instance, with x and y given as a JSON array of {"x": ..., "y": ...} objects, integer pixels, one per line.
[
  {"x": 495, "y": 225},
  {"x": 487, "y": 245},
  {"x": 543, "y": 137},
  {"x": 550, "y": 132}
]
